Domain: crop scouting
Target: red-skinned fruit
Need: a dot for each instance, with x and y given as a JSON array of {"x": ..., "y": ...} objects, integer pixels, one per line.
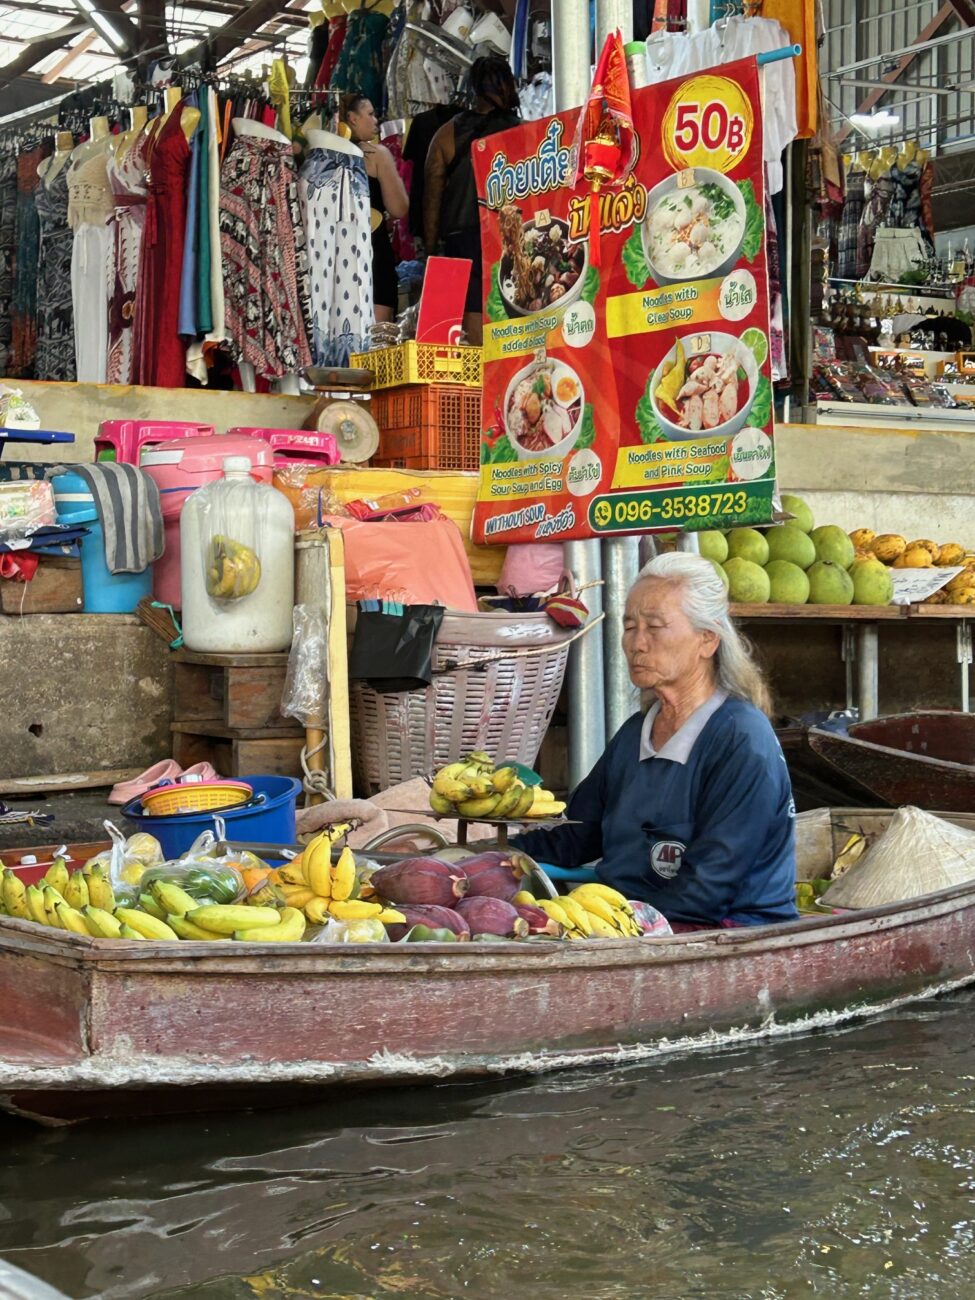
[
  {"x": 494, "y": 874},
  {"x": 423, "y": 881},
  {"x": 436, "y": 918},
  {"x": 539, "y": 922},
  {"x": 492, "y": 916}
]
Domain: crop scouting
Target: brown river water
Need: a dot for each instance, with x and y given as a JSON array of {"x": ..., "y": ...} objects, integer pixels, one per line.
[{"x": 836, "y": 1164}]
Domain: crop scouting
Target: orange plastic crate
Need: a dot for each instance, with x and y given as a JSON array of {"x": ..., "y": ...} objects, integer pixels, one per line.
[{"x": 428, "y": 426}]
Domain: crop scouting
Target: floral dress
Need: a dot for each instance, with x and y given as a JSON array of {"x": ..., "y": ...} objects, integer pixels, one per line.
[
  {"x": 265, "y": 266},
  {"x": 55, "y": 357},
  {"x": 127, "y": 177}
]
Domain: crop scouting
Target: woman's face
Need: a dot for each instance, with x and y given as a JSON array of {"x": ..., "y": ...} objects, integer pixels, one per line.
[
  {"x": 661, "y": 646},
  {"x": 363, "y": 122}
]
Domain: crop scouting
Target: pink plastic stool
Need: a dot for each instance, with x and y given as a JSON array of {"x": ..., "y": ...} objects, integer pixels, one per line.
[
  {"x": 296, "y": 446},
  {"x": 127, "y": 437}
]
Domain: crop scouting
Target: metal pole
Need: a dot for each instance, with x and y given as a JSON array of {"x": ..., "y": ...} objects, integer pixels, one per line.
[
  {"x": 868, "y": 671},
  {"x": 613, "y": 16},
  {"x": 571, "y": 63}
]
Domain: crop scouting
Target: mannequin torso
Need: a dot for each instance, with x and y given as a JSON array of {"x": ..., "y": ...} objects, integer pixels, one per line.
[
  {"x": 328, "y": 140},
  {"x": 52, "y": 167},
  {"x": 247, "y": 126}
]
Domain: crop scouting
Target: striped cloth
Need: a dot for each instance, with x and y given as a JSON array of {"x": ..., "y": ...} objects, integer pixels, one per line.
[{"x": 129, "y": 510}]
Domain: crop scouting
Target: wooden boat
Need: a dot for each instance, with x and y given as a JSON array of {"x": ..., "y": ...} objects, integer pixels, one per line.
[
  {"x": 925, "y": 758},
  {"x": 102, "y": 1028},
  {"x": 815, "y": 782}
]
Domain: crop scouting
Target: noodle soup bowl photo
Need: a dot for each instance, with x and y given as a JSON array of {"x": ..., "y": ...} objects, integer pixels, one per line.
[
  {"x": 540, "y": 271},
  {"x": 543, "y": 409},
  {"x": 704, "y": 387},
  {"x": 693, "y": 231}
]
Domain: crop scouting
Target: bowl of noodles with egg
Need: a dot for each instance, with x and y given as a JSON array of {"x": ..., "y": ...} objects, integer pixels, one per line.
[
  {"x": 694, "y": 227},
  {"x": 543, "y": 410}
]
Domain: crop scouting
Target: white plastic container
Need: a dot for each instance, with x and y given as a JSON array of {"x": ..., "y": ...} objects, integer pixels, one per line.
[{"x": 252, "y": 516}]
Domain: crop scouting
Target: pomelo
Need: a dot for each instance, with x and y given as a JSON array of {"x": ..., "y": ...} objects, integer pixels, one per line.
[
  {"x": 829, "y": 584},
  {"x": 803, "y": 515},
  {"x": 787, "y": 542},
  {"x": 788, "y": 583},
  {"x": 719, "y": 569},
  {"x": 872, "y": 583},
  {"x": 747, "y": 544},
  {"x": 713, "y": 545},
  {"x": 748, "y": 583},
  {"x": 833, "y": 546}
]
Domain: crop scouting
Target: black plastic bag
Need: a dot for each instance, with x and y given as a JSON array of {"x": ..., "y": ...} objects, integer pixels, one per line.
[{"x": 394, "y": 652}]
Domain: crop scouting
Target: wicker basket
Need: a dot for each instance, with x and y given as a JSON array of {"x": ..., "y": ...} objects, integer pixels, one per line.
[{"x": 502, "y": 702}]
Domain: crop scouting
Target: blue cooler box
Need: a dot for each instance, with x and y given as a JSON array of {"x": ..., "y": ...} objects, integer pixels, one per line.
[{"x": 104, "y": 592}]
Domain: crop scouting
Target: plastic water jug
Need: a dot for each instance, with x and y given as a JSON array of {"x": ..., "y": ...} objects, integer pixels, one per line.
[{"x": 237, "y": 565}]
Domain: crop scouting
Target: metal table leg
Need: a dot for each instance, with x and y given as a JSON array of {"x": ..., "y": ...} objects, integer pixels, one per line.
[
  {"x": 963, "y": 635},
  {"x": 868, "y": 671},
  {"x": 848, "y": 653}
]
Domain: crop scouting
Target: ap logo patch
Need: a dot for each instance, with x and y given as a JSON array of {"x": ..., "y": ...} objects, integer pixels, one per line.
[{"x": 667, "y": 858}]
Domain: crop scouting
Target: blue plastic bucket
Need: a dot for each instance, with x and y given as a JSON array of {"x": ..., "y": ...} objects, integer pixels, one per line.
[
  {"x": 105, "y": 592},
  {"x": 269, "y": 819}
]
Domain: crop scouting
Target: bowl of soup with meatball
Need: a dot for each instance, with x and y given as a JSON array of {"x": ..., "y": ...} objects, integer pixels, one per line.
[{"x": 694, "y": 227}]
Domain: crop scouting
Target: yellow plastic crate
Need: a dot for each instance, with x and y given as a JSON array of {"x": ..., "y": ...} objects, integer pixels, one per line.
[{"x": 422, "y": 363}]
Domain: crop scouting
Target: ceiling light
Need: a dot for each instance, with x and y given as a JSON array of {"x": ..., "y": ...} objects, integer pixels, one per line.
[{"x": 874, "y": 123}]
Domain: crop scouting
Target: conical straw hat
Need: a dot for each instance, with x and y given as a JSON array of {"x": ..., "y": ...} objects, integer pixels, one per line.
[{"x": 917, "y": 854}]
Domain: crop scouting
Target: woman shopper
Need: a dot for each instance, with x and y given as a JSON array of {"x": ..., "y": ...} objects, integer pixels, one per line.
[{"x": 387, "y": 197}]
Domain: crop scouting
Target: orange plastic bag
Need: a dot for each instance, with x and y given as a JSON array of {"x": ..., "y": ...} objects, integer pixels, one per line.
[{"x": 416, "y": 564}]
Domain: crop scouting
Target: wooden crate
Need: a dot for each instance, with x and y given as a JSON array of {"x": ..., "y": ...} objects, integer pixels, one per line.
[
  {"x": 237, "y": 691},
  {"x": 269, "y": 752},
  {"x": 54, "y": 589}
]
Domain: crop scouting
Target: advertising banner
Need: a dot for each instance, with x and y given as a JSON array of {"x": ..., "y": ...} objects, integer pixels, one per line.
[{"x": 634, "y": 397}]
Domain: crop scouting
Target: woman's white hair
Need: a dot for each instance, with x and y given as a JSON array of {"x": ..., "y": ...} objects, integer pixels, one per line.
[{"x": 705, "y": 602}]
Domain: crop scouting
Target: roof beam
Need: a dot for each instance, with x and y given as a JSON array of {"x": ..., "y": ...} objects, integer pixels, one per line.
[
  {"x": 36, "y": 53},
  {"x": 944, "y": 15},
  {"x": 236, "y": 32},
  {"x": 965, "y": 9},
  {"x": 113, "y": 19}
]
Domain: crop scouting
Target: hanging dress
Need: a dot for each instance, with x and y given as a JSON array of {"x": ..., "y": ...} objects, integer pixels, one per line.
[
  {"x": 265, "y": 264},
  {"x": 127, "y": 177},
  {"x": 55, "y": 357},
  {"x": 90, "y": 209},
  {"x": 8, "y": 237},
  {"x": 361, "y": 68},
  {"x": 334, "y": 192},
  {"x": 23, "y": 342},
  {"x": 336, "y": 38},
  {"x": 876, "y": 209},
  {"x": 160, "y": 354},
  {"x": 848, "y": 237}
]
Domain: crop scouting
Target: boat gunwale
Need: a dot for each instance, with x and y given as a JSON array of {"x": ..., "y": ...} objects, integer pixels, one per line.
[{"x": 846, "y": 741}]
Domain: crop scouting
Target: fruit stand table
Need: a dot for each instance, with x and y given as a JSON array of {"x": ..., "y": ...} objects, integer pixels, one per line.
[{"x": 861, "y": 639}]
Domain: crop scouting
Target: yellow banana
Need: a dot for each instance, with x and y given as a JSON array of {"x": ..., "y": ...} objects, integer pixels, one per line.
[
  {"x": 100, "y": 892},
  {"x": 316, "y": 909},
  {"x": 127, "y": 932},
  {"x": 439, "y": 804},
  {"x": 14, "y": 893},
  {"x": 171, "y": 899},
  {"x": 390, "y": 916},
  {"x": 150, "y": 927},
  {"x": 343, "y": 876},
  {"x": 479, "y": 807},
  {"x": 524, "y": 803},
  {"x": 72, "y": 920},
  {"x": 101, "y": 924},
  {"x": 480, "y": 787},
  {"x": 51, "y": 900},
  {"x": 35, "y": 902},
  {"x": 57, "y": 876},
  {"x": 577, "y": 914},
  {"x": 297, "y": 895},
  {"x": 339, "y": 831},
  {"x": 290, "y": 929},
  {"x": 611, "y": 896},
  {"x": 509, "y": 801},
  {"x": 293, "y": 873},
  {"x": 598, "y": 907},
  {"x": 555, "y": 910},
  {"x": 453, "y": 789},
  {"x": 76, "y": 891},
  {"x": 318, "y": 866},
  {"x": 504, "y": 778},
  {"x": 554, "y": 809},
  {"x": 151, "y": 908},
  {"x": 525, "y": 898},
  {"x": 187, "y": 930},
  {"x": 602, "y": 929},
  {"x": 226, "y": 918},
  {"x": 354, "y": 909}
]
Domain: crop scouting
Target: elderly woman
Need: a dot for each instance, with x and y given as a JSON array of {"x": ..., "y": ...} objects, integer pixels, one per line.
[{"x": 690, "y": 807}]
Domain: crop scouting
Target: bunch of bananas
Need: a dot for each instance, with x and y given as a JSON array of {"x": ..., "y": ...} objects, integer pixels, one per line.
[
  {"x": 233, "y": 569},
  {"x": 476, "y": 788},
  {"x": 589, "y": 912},
  {"x": 323, "y": 889}
]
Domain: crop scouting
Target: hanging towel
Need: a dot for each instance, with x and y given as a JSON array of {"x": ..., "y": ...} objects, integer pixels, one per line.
[{"x": 129, "y": 510}]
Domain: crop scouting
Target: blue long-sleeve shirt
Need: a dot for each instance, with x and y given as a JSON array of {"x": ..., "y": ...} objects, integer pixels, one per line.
[{"x": 708, "y": 840}]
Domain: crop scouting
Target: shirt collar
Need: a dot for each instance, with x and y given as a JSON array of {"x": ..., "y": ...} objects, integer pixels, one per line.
[{"x": 678, "y": 747}]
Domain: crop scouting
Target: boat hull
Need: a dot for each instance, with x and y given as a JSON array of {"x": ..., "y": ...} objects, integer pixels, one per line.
[
  {"x": 89, "y": 1027},
  {"x": 926, "y": 759}
]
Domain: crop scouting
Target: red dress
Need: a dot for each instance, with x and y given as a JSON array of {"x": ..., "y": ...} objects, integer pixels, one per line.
[{"x": 160, "y": 353}]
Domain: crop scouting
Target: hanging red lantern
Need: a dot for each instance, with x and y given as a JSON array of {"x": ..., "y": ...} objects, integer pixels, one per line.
[{"x": 605, "y": 143}]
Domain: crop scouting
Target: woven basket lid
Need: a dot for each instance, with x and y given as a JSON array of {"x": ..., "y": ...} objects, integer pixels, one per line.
[{"x": 917, "y": 854}]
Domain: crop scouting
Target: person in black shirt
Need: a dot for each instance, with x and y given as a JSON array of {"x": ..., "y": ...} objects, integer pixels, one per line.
[{"x": 450, "y": 211}]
